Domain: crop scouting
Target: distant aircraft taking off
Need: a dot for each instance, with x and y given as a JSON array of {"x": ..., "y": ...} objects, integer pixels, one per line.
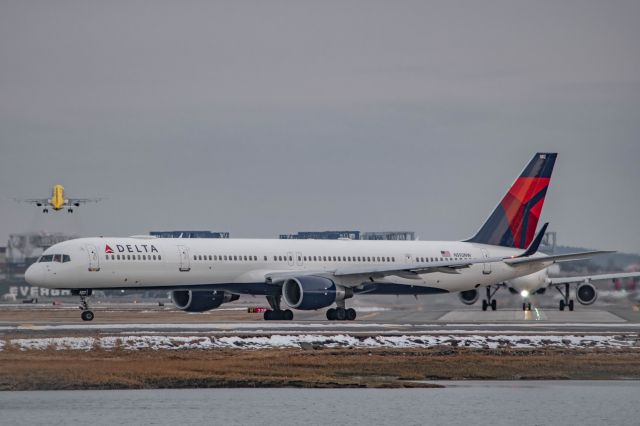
[{"x": 58, "y": 201}]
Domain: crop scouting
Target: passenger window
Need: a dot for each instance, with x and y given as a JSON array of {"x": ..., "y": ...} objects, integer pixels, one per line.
[
  {"x": 195, "y": 257},
  {"x": 159, "y": 257},
  {"x": 245, "y": 258},
  {"x": 299, "y": 259},
  {"x": 290, "y": 258},
  {"x": 118, "y": 257},
  {"x": 144, "y": 257}
]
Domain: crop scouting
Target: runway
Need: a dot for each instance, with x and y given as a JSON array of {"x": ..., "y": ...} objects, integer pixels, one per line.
[{"x": 379, "y": 320}]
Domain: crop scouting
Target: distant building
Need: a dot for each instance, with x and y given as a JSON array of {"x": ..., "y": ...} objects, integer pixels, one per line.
[
  {"x": 322, "y": 235},
  {"x": 3, "y": 259},
  {"x": 23, "y": 249},
  {"x": 189, "y": 234},
  {"x": 390, "y": 235}
]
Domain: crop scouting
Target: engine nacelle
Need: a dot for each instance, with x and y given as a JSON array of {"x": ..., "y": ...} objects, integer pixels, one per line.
[
  {"x": 469, "y": 297},
  {"x": 201, "y": 300},
  {"x": 586, "y": 294},
  {"x": 310, "y": 293}
]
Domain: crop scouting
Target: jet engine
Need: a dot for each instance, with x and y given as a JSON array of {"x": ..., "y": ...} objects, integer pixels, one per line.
[
  {"x": 200, "y": 300},
  {"x": 310, "y": 292},
  {"x": 586, "y": 294},
  {"x": 469, "y": 297}
]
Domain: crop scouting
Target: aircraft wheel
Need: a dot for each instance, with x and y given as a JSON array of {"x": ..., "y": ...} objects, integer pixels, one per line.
[
  {"x": 341, "y": 314},
  {"x": 562, "y": 305},
  {"x": 87, "y": 316},
  {"x": 571, "y": 305},
  {"x": 494, "y": 305},
  {"x": 288, "y": 315},
  {"x": 331, "y": 314},
  {"x": 484, "y": 305},
  {"x": 70, "y": 210},
  {"x": 351, "y": 314},
  {"x": 529, "y": 306},
  {"x": 268, "y": 314}
]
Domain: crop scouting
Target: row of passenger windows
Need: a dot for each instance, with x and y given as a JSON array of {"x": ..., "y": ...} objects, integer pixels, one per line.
[
  {"x": 289, "y": 258},
  {"x": 61, "y": 258},
  {"x": 133, "y": 257},
  {"x": 226, "y": 257}
]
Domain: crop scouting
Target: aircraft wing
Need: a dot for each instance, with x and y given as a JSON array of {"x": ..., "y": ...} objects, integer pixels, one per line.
[
  {"x": 38, "y": 201},
  {"x": 589, "y": 278},
  {"x": 556, "y": 258},
  {"x": 406, "y": 271},
  {"x": 76, "y": 201}
]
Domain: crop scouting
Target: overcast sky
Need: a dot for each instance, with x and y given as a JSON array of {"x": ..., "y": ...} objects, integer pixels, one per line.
[{"x": 262, "y": 118}]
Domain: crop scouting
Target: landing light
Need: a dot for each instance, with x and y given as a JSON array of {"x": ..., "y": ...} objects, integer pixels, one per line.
[{"x": 524, "y": 294}]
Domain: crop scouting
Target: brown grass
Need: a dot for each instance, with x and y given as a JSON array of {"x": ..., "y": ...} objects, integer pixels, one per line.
[{"x": 121, "y": 369}]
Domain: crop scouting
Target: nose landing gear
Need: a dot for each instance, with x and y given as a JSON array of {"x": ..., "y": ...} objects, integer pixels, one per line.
[{"x": 87, "y": 314}]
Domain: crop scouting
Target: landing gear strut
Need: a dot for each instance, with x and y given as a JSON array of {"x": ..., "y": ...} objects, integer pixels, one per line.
[
  {"x": 87, "y": 314},
  {"x": 526, "y": 306},
  {"x": 275, "y": 313},
  {"x": 565, "y": 302},
  {"x": 490, "y": 301}
]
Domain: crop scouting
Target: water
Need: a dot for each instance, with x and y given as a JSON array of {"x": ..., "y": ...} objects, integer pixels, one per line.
[{"x": 461, "y": 403}]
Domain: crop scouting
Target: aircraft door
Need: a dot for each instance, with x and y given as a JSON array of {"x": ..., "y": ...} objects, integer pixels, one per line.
[
  {"x": 94, "y": 260},
  {"x": 486, "y": 267},
  {"x": 290, "y": 258},
  {"x": 183, "y": 255}
]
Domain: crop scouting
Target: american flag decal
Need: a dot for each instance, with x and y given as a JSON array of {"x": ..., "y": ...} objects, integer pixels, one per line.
[{"x": 445, "y": 253}]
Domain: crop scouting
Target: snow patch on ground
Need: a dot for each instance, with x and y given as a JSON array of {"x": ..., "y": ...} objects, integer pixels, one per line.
[{"x": 308, "y": 341}]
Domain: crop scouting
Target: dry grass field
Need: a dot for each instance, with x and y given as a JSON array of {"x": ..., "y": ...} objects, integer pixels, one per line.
[{"x": 321, "y": 368}]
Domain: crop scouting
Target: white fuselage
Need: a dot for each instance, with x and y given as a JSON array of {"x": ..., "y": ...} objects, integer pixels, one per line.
[{"x": 140, "y": 262}]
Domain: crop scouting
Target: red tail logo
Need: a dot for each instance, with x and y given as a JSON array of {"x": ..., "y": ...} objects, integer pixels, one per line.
[{"x": 108, "y": 249}]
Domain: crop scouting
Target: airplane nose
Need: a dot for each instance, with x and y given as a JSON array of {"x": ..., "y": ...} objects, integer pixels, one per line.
[{"x": 33, "y": 275}]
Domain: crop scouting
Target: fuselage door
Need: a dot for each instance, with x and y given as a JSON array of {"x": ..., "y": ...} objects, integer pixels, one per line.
[
  {"x": 94, "y": 260},
  {"x": 486, "y": 267},
  {"x": 183, "y": 255}
]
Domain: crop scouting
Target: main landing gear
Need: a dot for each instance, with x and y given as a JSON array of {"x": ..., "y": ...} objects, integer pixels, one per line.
[
  {"x": 565, "y": 302},
  {"x": 87, "y": 314},
  {"x": 526, "y": 306},
  {"x": 341, "y": 314},
  {"x": 275, "y": 313},
  {"x": 490, "y": 301}
]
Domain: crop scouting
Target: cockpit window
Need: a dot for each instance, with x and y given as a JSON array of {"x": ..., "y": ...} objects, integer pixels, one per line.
[{"x": 55, "y": 258}]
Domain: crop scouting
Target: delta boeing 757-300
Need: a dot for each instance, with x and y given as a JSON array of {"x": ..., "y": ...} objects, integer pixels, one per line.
[{"x": 202, "y": 274}]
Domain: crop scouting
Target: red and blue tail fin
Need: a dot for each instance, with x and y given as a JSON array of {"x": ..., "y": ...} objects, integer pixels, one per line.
[{"x": 513, "y": 223}]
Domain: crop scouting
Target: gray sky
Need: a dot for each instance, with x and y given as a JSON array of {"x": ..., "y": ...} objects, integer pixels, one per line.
[{"x": 267, "y": 117}]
